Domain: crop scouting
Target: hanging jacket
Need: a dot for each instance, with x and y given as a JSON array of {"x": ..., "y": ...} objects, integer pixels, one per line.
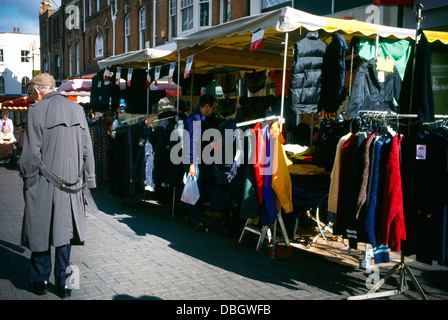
[
  {"x": 393, "y": 229},
  {"x": 281, "y": 179},
  {"x": 304, "y": 88},
  {"x": 371, "y": 93},
  {"x": 333, "y": 75},
  {"x": 423, "y": 96}
]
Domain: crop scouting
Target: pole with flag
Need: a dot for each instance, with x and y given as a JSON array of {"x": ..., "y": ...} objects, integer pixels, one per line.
[{"x": 257, "y": 40}]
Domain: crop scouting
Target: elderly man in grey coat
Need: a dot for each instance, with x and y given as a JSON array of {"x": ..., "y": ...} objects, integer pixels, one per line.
[{"x": 58, "y": 168}]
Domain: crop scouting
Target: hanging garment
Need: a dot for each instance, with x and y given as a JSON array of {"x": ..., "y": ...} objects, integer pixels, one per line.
[
  {"x": 100, "y": 93},
  {"x": 332, "y": 92},
  {"x": 101, "y": 149},
  {"x": 258, "y": 165},
  {"x": 277, "y": 77},
  {"x": 249, "y": 203},
  {"x": 335, "y": 176},
  {"x": 268, "y": 205},
  {"x": 393, "y": 229},
  {"x": 380, "y": 252},
  {"x": 305, "y": 84},
  {"x": 354, "y": 186},
  {"x": 374, "y": 90},
  {"x": 398, "y": 50},
  {"x": 281, "y": 179},
  {"x": 349, "y": 184},
  {"x": 422, "y": 94},
  {"x": 364, "y": 175},
  {"x": 255, "y": 81},
  {"x": 228, "y": 82},
  {"x": 330, "y": 131},
  {"x": 424, "y": 174},
  {"x": 149, "y": 165}
]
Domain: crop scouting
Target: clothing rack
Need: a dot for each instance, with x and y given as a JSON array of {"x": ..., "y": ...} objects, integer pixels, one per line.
[
  {"x": 385, "y": 117},
  {"x": 145, "y": 116},
  {"x": 163, "y": 119},
  {"x": 128, "y": 120},
  {"x": 401, "y": 267},
  {"x": 269, "y": 118},
  {"x": 265, "y": 231}
]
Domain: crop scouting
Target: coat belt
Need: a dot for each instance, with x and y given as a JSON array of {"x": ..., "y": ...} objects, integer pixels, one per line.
[{"x": 64, "y": 185}]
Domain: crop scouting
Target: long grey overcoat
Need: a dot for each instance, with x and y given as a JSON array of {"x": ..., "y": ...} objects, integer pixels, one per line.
[{"x": 57, "y": 134}]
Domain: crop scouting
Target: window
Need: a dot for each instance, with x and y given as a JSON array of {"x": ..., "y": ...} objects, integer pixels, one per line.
[
  {"x": 99, "y": 46},
  {"x": 204, "y": 13},
  {"x": 127, "y": 33},
  {"x": 98, "y": 5},
  {"x": 172, "y": 19},
  {"x": 1, "y": 55},
  {"x": 24, "y": 82},
  {"x": 56, "y": 67},
  {"x": 70, "y": 60},
  {"x": 186, "y": 7},
  {"x": 142, "y": 25},
  {"x": 226, "y": 10},
  {"x": 90, "y": 7},
  {"x": 2, "y": 85},
  {"x": 194, "y": 14},
  {"x": 78, "y": 58},
  {"x": 45, "y": 65},
  {"x": 267, "y": 5},
  {"x": 24, "y": 55}
]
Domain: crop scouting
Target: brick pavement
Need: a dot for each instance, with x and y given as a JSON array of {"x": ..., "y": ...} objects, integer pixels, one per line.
[{"x": 137, "y": 250}]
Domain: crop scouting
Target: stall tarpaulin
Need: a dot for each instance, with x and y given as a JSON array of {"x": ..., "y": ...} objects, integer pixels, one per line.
[
  {"x": 21, "y": 103},
  {"x": 138, "y": 58},
  {"x": 236, "y": 36},
  {"x": 77, "y": 90},
  {"x": 393, "y": 2},
  {"x": 213, "y": 46}
]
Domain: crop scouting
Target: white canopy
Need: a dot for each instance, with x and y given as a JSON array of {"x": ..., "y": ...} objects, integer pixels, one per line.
[
  {"x": 227, "y": 44},
  {"x": 135, "y": 59}
]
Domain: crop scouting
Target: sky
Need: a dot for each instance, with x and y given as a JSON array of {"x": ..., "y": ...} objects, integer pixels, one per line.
[{"x": 23, "y": 14}]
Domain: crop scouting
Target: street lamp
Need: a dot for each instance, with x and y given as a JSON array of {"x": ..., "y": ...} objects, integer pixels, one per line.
[{"x": 31, "y": 54}]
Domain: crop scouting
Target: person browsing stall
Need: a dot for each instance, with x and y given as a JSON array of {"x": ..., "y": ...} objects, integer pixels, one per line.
[{"x": 199, "y": 117}]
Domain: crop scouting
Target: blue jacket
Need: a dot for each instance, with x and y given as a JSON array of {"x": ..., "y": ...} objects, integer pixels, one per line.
[{"x": 195, "y": 141}]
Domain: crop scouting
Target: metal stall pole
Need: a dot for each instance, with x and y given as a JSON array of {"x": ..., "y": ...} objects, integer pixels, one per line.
[
  {"x": 283, "y": 81},
  {"x": 418, "y": 18},
  {"x": 177, "y": 119}
]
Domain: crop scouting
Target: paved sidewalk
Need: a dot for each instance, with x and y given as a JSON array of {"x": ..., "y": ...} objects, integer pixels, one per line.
[{"x": 137, "y": 250}]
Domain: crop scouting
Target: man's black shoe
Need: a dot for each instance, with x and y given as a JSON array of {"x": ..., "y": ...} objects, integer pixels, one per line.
[
  {"x": 63, "y": 292},
  {"x": 39, "y": 287}
]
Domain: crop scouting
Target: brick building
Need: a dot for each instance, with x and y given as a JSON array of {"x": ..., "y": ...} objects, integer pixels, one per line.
[{"x": 80, "y": 32}]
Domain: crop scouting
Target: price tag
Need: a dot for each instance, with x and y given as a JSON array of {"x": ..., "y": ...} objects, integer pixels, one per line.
[
  {"x": 381, "y": 76},
  {"x": 421, "y": 152}
]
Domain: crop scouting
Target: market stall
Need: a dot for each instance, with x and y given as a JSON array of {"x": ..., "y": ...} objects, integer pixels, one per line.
[
  {"x": 226, "y": 48},
  {"x": 77, "y": 90}
]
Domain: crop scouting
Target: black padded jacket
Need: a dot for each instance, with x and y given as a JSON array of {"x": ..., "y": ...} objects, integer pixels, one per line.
[{"x": 304, "y": 88}]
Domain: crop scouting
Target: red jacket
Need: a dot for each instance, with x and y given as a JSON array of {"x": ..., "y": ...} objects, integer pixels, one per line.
[{"x": 392, "y": 226}]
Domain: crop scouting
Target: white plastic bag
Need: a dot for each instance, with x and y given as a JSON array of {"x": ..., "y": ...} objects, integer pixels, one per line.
[{"x": 190, "y": 194}]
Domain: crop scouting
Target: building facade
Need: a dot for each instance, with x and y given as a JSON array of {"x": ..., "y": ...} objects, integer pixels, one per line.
[{"x": 19, "y": 56}]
